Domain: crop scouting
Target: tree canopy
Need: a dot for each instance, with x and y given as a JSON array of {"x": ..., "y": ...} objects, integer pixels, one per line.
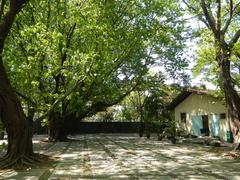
[{"x": 107, "y": 45}]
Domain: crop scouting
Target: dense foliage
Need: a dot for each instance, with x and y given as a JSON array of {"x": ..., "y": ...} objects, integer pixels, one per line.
[{"x": 92, "y": 53}]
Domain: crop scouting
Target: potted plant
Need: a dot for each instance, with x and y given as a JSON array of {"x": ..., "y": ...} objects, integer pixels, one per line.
[
  {"x": 171, "y": 131},
  {"x": 148, "y": 134},
  {"x": 173, "y": 140},
  {"x": 158, "y": 128},
  {"x": 148, "y": 128},
  {"x": 160, "y": 137},
  {"x": 141, "y": 129}
]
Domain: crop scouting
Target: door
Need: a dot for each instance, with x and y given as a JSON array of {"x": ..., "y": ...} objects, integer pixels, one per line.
[
  {"x": 215, "y": 125},
  {"x": 205, "y": 130},
  {"x": 197, "y": 124},
  {"x": 205, "y": 121}
]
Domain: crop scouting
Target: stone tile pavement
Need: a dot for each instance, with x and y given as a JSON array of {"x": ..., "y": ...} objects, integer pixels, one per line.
[{"x": 107, "y": 156}]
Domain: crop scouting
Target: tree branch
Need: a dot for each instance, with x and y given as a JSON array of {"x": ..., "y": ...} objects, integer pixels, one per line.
[
  {"x": 235, "y": 38},
  {"x": 70, "y": 34},
  {"x": 79, "y": 83},
  {"x": 68, "y": 43},
  {"x": 21, "y": 43},
  {"x": 3, "y": 3},
  {"x": 194, "y": 10},
  {"x": 8, "y": 19},
  {"x": 209, "y": 18},
  {"x": 236, "y": 6},
  {"x": 26, "y": 98},
  {"x": 224, "y": 30},
  {"x": 63, "y": 57},
  {"x": 101, "y": 106},
  {"x": 219, "y": 7}
]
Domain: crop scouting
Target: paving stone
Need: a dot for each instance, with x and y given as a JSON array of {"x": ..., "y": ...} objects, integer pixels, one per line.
[{"x": 128, "y": 157}]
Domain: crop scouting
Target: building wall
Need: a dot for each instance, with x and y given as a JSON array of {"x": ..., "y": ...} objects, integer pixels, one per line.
[{"x": 197, "y": 104}]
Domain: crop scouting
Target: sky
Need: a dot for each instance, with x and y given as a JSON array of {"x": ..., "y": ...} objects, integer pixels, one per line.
[{"x": 190, "y": 54}]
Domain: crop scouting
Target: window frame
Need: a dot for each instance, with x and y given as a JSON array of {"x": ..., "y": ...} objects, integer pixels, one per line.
[{"x": 223, "y": 116}]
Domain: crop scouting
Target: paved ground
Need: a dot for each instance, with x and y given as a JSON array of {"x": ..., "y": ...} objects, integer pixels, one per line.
[{"x": 129, "y": 157}]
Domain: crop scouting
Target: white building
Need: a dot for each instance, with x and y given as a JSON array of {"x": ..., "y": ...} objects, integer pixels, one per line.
[{"x": 199, "y": 113}]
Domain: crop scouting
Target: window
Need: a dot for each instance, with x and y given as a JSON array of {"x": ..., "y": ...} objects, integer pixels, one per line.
[
  {"x": 223, "y": 116},
  {"x": 183, "y": 117}
]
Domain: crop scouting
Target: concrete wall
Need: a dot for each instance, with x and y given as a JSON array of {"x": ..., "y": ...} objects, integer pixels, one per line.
[
  {"x": 197, "y": 104},
  {"x": 105, "y": 127}
]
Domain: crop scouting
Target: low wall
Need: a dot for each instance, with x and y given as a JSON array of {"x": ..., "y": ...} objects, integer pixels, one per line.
[
  {"x": 97, "y": 127},
  {"x": 105, "y": 127}
]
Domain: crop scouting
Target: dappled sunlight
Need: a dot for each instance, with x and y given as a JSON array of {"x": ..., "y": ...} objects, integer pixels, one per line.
[
  {"x": 16, "y": 175},
  {"x": 69, "y": 171},
  {"x": 8, "y": 173},
  {"x": 69, "y": 156},
  {"x": 122, "y": 157},
  {"x": 3, "y": 142},
  {"x": 210, "y": 157}
]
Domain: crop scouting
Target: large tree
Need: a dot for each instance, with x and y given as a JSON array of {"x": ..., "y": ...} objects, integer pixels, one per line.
[
  {"x": 222, "y": 19},
  {"x": 20, "y": 148},
  {"x": 107, "y": 45}
]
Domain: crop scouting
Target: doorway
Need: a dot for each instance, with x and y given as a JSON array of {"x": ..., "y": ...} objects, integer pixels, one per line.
[{"x": 200, "y": 125}]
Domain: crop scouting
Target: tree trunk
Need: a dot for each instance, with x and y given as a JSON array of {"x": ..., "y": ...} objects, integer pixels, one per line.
[
  {"x": 231, "y": 97},
  {"x": 19, "y": 129},
  {"x": 141, "y": 128},
  {"x": 56, "y": 128},
  {"x": 140, "y": 110}
]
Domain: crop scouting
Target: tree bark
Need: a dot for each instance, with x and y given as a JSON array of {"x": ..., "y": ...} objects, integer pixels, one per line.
[
  {"x": 56, "y": 128},
  {"x": 18, "y": 128},
  {"x": 231, "y": 96},
  {"x": 219, "y": 24}
]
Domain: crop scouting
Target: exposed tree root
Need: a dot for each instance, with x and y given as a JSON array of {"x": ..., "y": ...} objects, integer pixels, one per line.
[{"x": 26, "y": 161}]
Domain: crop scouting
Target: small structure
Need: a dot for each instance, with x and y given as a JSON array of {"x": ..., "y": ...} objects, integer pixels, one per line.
[{"x": 199, "y": 113}]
